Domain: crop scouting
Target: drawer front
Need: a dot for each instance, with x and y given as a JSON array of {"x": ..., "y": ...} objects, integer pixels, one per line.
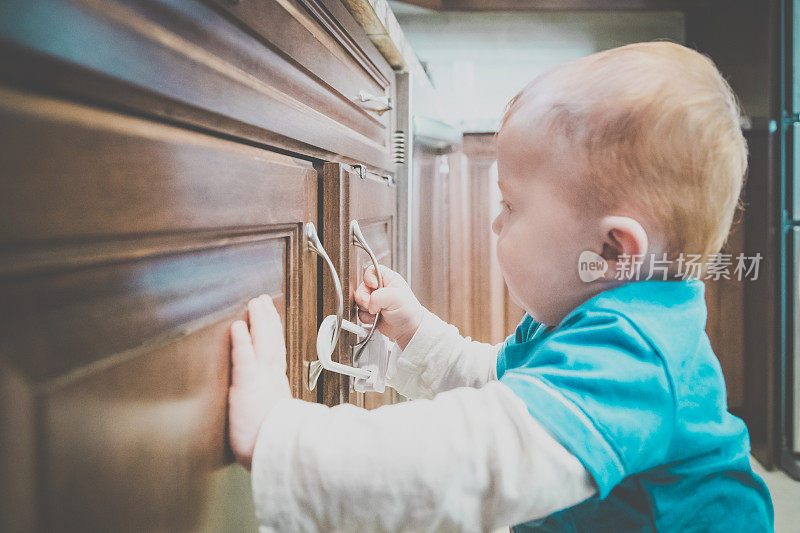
[
  {"x": 320, "y": 36},
  {"x": 127, "y": 248},
  {"x": 350, "y": 193},
  {"x": 74, "y": 171},
  {"x": 288, "y": 77}
]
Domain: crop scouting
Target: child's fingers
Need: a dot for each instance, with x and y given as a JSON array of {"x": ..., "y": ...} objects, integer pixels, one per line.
[
  {"x": 361, "y": 296},
  {"x": 389, "y": 298},
  {"x": 370, "y": 279},
  {"x": 275, "y": 325},
  {"x": 365, "y": 317},
  {"x": 243, "y": 357},
  {"x": 257, "y": 316},
  {"x": 265, "y": 327}
]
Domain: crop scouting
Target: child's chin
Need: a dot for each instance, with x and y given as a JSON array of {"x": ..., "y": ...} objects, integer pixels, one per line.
[{"x": 516, "y": 299}]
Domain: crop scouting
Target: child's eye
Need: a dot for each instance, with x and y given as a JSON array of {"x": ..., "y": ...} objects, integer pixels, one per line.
[{"x": 505, "y": 205}]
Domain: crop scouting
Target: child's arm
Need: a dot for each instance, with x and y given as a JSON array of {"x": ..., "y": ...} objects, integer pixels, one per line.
[
  {"x": 470, "y": 459},
  {"x": 439, "y": 359},
  {"x": 435, "y": 357}
]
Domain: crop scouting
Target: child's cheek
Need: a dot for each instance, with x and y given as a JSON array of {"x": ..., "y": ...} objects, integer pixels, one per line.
[{"x": 506, "y": 257}]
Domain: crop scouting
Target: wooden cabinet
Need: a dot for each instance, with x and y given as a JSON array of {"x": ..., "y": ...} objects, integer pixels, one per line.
[
  {"x": 355, "y": 194},
  {"x": 455, "y": 272},
  {"x": 128, "y": 249},
  {"x": 160, "y": 163},
  {"x": 284, "y": 74},
  {"x": 433, "y": 208},
  {"x": 347, "y": 85}
]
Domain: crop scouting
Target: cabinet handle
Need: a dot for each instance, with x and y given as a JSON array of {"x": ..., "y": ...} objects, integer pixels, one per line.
[
  {"x": 361, "y": 242},
  {"x": 382, "y": 103},
  {"x": 316, "y": 246},
  {"x": 336, "y": 322}
]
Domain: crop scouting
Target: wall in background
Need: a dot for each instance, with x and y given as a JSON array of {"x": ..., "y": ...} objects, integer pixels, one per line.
[{"x": 478, "y": 61}]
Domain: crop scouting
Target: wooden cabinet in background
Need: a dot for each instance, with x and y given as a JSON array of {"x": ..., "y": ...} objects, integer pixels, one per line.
[
  {"x": 494, "y": 316},
  {"x": 725, "y": 299},
  {"x": 454, "y": 265},
  {"x": 459, "y": 242},
  {"x": 432, "y": 210}
]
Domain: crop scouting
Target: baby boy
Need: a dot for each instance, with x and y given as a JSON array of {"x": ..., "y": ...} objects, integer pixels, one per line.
[{"x": 605, "y": 410}]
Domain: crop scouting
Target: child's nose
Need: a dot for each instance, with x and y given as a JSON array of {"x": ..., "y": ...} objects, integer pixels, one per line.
[{"x": 496, "y": 225}]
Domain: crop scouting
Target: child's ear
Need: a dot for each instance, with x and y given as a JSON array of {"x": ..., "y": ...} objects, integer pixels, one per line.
[{"x": 624, "y": 241}]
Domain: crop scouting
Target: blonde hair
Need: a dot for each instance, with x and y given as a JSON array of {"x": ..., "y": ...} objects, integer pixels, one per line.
[{"x": 659, "y": 129}]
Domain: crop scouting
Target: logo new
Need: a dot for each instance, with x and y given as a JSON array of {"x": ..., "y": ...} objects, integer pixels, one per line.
[{"x": 591, "y": 266}]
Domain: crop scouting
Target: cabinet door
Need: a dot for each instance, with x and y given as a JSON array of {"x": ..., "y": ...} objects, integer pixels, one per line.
[
  {"x": 354, "y": 193},
  {"x": 127, "y": 249},
  {"x": 431, "y": 215}
]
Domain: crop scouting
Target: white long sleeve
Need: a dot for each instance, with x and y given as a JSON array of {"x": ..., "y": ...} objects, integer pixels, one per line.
[
  {"x": 470, "y": 459},
  {"x": 439, "y": 359}
]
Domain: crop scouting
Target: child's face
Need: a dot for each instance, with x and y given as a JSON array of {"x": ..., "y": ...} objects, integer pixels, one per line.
[{"x": 541, "y": 229}]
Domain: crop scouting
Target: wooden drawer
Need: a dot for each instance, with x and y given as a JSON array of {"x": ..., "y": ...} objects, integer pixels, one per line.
[
  {"x": 75, "y": 171},
  {"x": 288, "y": 76},
  {"x": 321, "y": 37}
]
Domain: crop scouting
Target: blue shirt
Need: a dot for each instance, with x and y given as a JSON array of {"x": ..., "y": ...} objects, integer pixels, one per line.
[{"x": 628, "y": 383}]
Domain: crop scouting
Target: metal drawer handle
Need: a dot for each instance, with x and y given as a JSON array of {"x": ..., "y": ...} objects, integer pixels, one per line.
[
  {"x": 382, "y": 103},
  {"x": 331, "y": 327},
  {"x": 359, "y": 241}
]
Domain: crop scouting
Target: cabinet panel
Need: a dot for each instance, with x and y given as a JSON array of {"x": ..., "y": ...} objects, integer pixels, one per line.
[
  {"x": 436, "y": 208},
  {"x": 455, "y": 273},
  {"x": 140, "y": 213},
  {"x": 352, "y": 193},
  {"x": 493, "y": 315},
  {"x": 725, "y": 302},
  {"x": 143, "y": 441},
  {"x": 78, "y": 316},
  {"x": 125, "y": 366},
  {"x": 127, "y": 249},
  {"x": 460, "y": 243},
  {"x": 192, "y": 63},
  {"x": 76, "y": 171}
]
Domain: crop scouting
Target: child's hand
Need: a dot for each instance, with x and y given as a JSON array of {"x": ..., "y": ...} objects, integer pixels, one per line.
[
  {"x": 258, "y": 375},
  {"x": 401, "y": 312}
]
